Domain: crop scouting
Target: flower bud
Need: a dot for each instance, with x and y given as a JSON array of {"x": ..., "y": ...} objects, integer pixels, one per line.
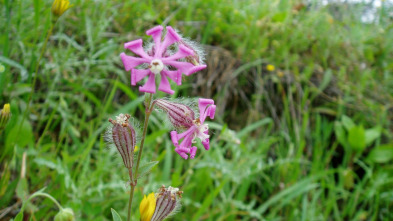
[
  {"x": 181, "y": 116},
  {"x": 124, "y": 138},
  {"x": 5, "y": 115},
  {"x": 65, "y": 215},
  {"x": 60, "y": 6},
  {"x": 163, "y": 204}
]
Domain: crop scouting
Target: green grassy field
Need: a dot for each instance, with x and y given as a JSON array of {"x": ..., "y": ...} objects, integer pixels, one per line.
[{"x": 310, "y": 140}]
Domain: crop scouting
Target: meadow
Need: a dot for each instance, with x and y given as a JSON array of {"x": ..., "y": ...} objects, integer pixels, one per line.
[{"x": 302, "y": 131}]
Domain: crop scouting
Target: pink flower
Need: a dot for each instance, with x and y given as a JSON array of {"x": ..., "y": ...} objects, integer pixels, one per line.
[
  {"x": 197, "y": 130},
  {"x": 158, "y": 60}
]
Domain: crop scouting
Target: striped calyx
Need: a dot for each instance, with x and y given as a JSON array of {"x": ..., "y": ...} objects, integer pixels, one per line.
[
  {"x": 181, "y": 116},
  {"x": 124, "y": 138},
  {"x": 167, "y": 201}
]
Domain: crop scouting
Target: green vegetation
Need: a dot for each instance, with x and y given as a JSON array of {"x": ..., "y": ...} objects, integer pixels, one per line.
[{"x": 315, "y": 134}]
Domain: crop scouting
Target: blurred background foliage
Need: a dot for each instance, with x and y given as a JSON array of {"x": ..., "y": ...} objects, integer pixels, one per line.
[{"x": 309, "y": 140}]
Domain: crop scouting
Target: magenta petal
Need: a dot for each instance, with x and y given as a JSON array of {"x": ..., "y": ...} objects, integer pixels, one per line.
[
  {"x": 150, "y": 86},
  {"x": 174, "y": 75},
  {"x": 136, "y": 47},
  {"x": 170, "y": 37},
  {"x": 131, "y": 62},
  {"x": 137, "y": 75},
  {"x": 195, "y": 69},
  {"x": 193, "y": 152},
  {"x": 174, "y": 138},
  {"x": 206, "y": 144},
  {"x": 205, "y": 109},
  {"x": 181, "y": 153},
  {"x": 165, "y": 86},
  {"x": 156, "y": 34},
  {"x": 181, "y": 53},
  {"x": 186, "y": 133}
]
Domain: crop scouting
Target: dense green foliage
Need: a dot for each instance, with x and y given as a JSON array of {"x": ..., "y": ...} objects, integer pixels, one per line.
[{"x": 315, "y": 134}]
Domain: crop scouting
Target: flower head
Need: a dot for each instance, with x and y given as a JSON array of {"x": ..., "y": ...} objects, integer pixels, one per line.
[
  {"x": 198, "y": 129},
  {"x": 270, "y": 67},
  {"x": 5, "y": 115},
  {"x": 159, "y": 206},
  {"x": 160, "y": 60},
  {"x": 147, "y": 207},
  {"x": 60, "y": 6},
  {"x": 123, "y": 136}
]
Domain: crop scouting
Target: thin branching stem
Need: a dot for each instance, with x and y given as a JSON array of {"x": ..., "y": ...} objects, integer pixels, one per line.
[{"x": 134, "y": 177}]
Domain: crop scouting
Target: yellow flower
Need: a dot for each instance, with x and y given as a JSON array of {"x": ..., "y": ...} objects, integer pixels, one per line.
[
  {"x": 270, "y": 67},
  {"x": 5, "y": 115},
  {"x": 136, "y": 148},
  {"x": 6, "y": 109},
  {"x": 147, "y": 207},
  {"x": 60, "y": 6}
]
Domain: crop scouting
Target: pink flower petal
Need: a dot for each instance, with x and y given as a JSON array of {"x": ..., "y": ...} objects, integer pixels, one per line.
[
  {"x": 170, "y": 38},
  {"x": 204, "y": 110},
  {"x": 165, "y": 86},
  {"x": 137, "y": 75},
  {"x": 174, "y": 75},
  {"x": 193, "y": 152},
  {"x": 181, "y": 53},
  {"x": 156, "y": 34},
  {"x": 150, "y": 86},
  {"x": 206, "y": 144},
  {"x": 136, "y": 47},
  {"x": 131, "y": 62}
]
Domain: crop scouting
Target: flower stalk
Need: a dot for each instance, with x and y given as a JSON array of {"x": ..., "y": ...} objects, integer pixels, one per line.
[{"x": 134, "y": 178}]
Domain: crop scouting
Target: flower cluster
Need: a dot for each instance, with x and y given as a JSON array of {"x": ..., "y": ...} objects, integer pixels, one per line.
[
  {"x": 160, "y": 60},
  {"x": 161, "y": 205},
  {"x": 168, "y": 56}
]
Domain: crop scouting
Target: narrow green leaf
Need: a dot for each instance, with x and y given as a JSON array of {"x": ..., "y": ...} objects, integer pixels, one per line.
[
  {"x": 146, "y": 168},
  {"x": 115, "y": 215}
]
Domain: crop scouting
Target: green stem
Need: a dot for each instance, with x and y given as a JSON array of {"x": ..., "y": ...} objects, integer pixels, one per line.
[{"x": 134, "y": 178}]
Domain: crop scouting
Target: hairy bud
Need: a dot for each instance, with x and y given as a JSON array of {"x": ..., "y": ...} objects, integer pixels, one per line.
[
  {"x": 181, "y": 116},
  {"x": 124, "y": 138},
  {"x": 167, "y": 203}
]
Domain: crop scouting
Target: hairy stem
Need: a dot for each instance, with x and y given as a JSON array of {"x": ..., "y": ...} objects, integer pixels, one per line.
[{"x": 134, "y": 178}]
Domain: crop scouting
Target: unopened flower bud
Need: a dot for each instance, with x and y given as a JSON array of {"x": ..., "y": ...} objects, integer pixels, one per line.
[
  {"x": 65, "y": 215},
  {"x": 124, "y": 138},
  {"x": 5, "y": 115},
  {"x": 180, "y": 115},
  {"x": 60, "y": 6},
  {"x": 166, "y": 202}
]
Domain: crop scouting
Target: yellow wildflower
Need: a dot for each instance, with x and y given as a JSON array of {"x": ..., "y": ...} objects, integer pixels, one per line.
[
  {"x": 270, "y": 67},
  {"x": 136, "y": 148},
  {"x": 5, "y": 115},
  {"x": 147, "y": 207},
  {"x": 60, "y": 6}
]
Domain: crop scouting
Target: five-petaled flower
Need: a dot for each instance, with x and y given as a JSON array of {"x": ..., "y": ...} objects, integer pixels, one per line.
[
  {"x": 160, "y": 60},
  {"x": 198, "y": 129}
]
